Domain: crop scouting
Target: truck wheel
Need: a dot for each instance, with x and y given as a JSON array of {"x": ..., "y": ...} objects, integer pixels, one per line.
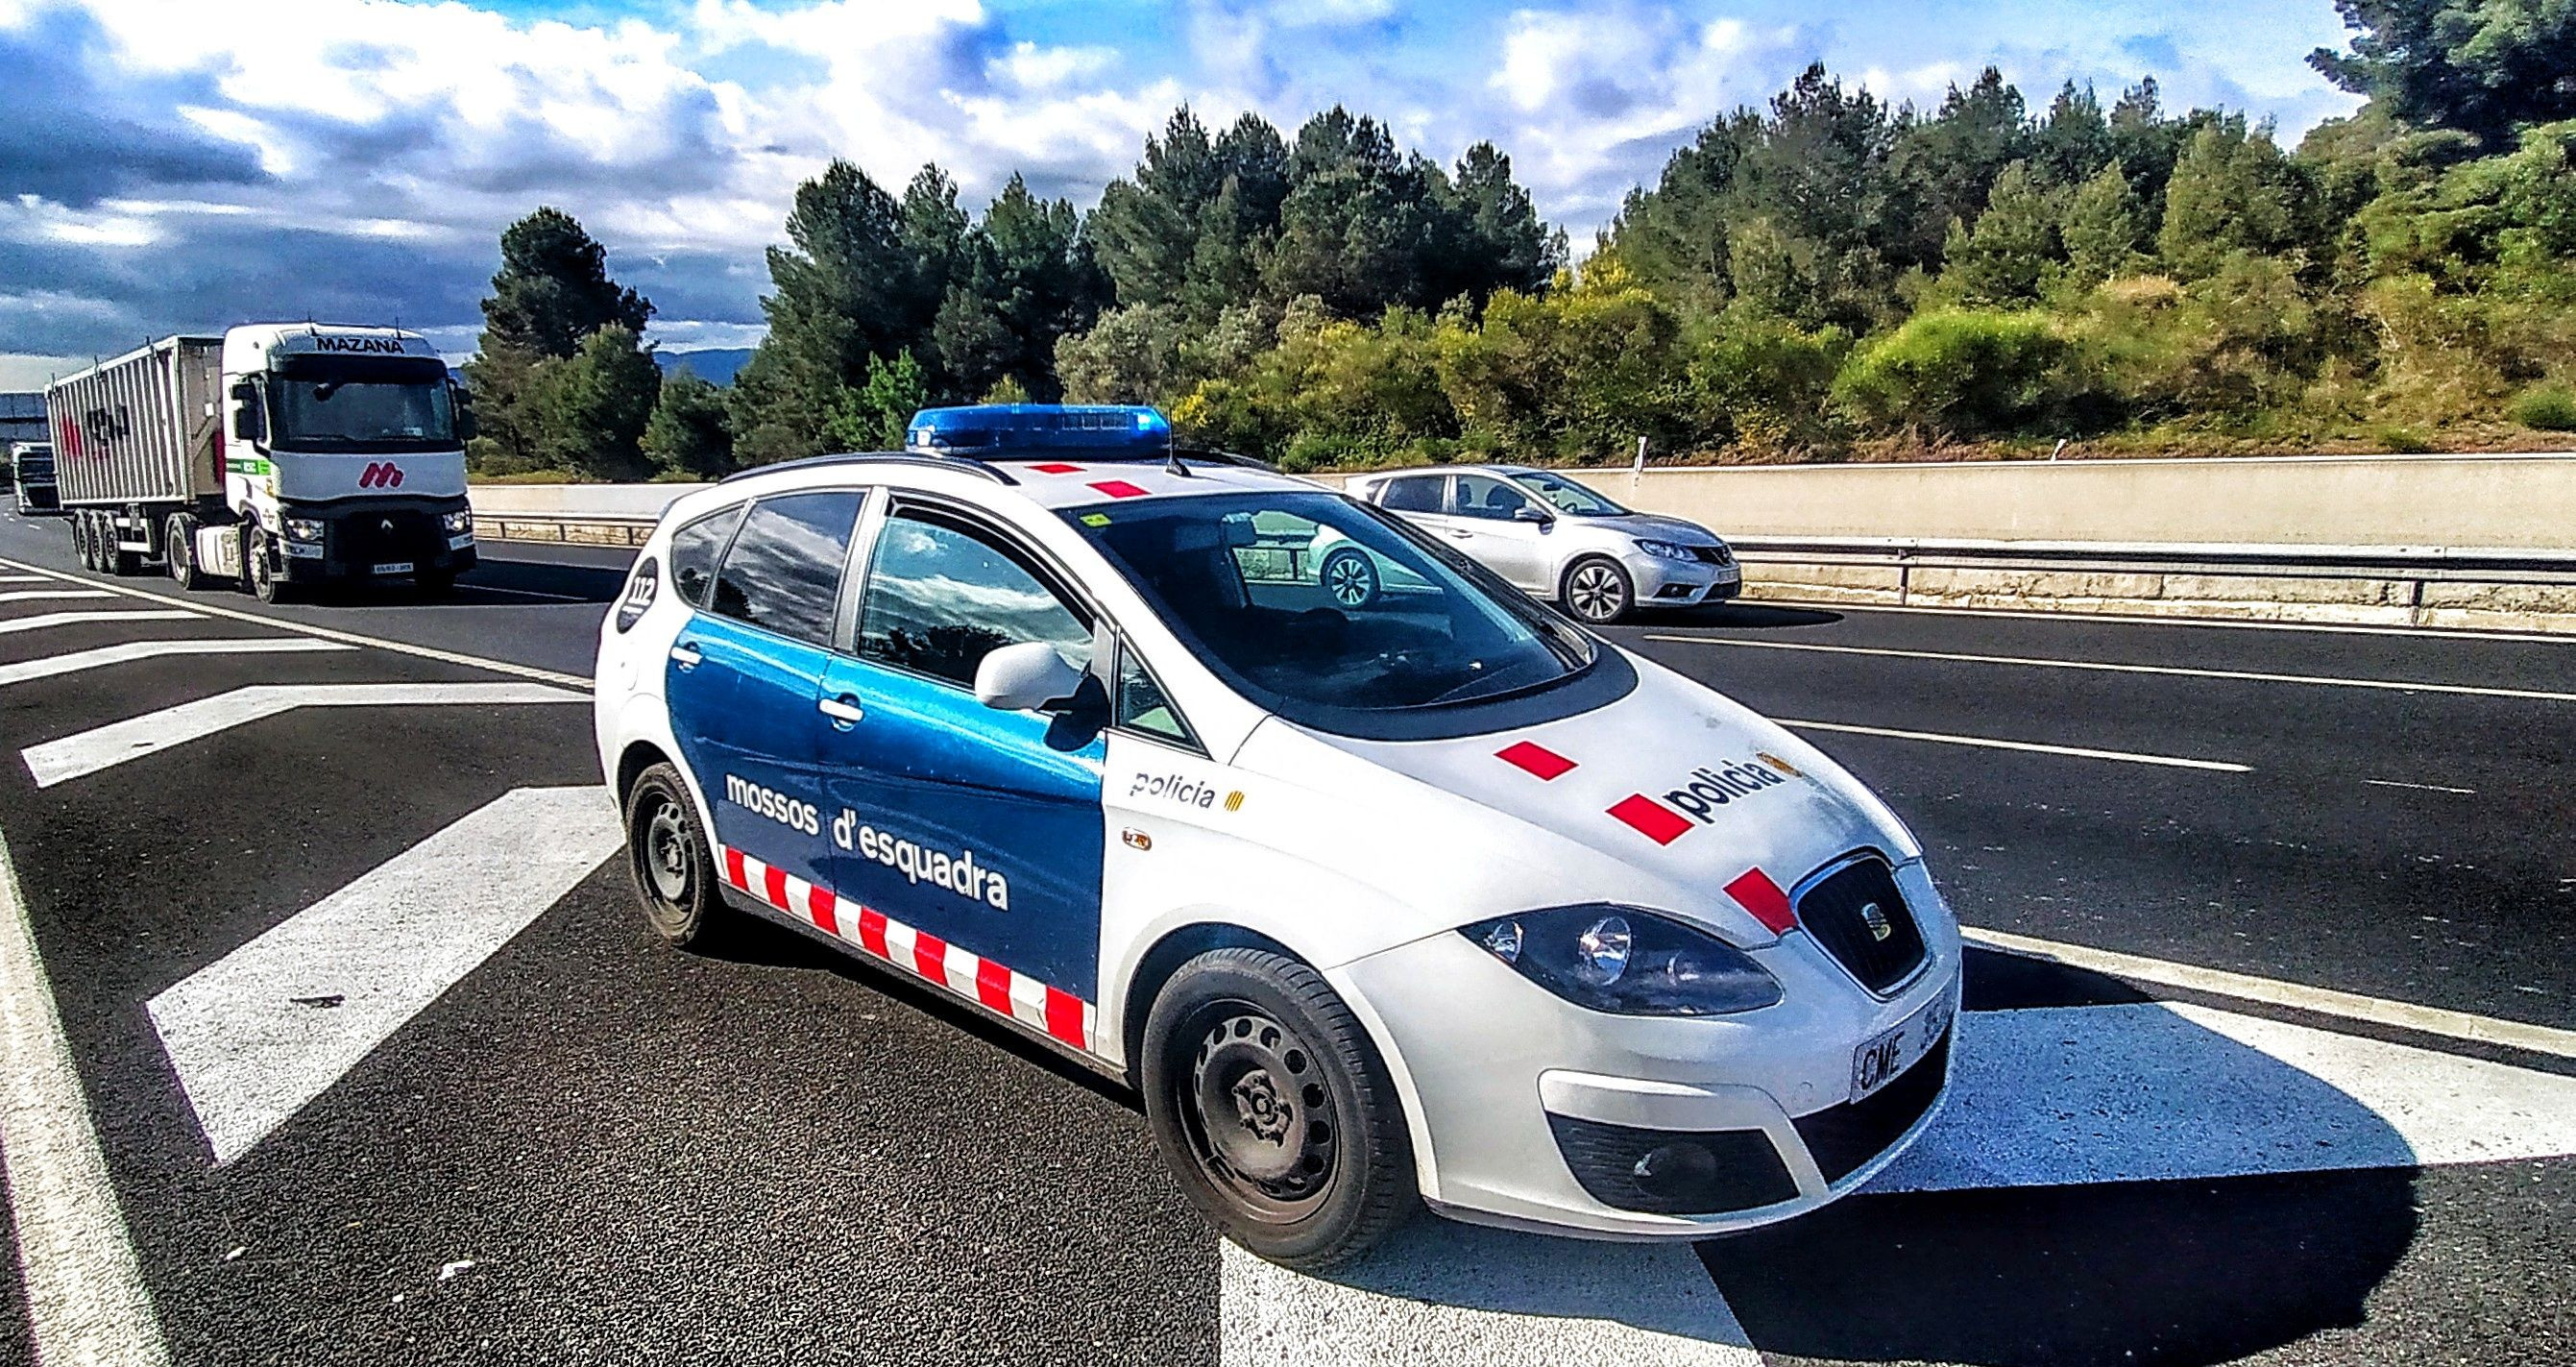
[
  {"x": 260, "y": 571},
  {"x": 671, "y": 863},
  {"x": 80, "y": 540},
  {"x": 121, "y": 562},
  {"x": 179, "y": 550},
  {"x": 1274, "y": 1110}
]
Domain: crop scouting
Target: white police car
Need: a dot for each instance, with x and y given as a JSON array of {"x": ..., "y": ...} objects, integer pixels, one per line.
[{"x": 1431, "y": 895}]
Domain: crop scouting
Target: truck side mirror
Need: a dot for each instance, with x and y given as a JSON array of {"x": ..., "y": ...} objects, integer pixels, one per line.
[
  {"x": 460, "y": 403},
  {"x": 250, "y": 422}
]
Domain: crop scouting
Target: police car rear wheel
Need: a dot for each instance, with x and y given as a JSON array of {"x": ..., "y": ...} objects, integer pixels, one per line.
[
  {"x": 1273, "y": 1108},
  {"x": 667, "y": 859}
]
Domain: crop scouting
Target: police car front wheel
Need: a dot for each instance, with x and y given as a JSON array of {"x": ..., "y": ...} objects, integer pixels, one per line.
[
  {"x": 667, "y": 859},
  {"x": 1274, "y": 1110}
]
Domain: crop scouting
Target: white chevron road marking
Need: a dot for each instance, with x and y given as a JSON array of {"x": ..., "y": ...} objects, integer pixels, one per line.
[
  {"x": 260, "y": 1033},
  {"x": 107, "y": 746},
  {"x": 13, "y": 625},
  {"x": 126, "y": 652}
]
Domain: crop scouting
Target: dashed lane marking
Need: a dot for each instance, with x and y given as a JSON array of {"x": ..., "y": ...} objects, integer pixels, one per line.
[
  {"x": 86, "y": 1300},
  {"x": 2419, "y": 787},
  {"x": 48, "y": 595},
  {"x": 126, "y": 652},
  {"x": 2167, "y": 1091},
  {"x": 12, "y": 625},
  {"x": 260, "y": 1033},
  {"x": 551, "y": 676},
  {"x": 2029, "y": 747},
  {"x": 107, "y": 746},
  {"x": 2322, "y": 1001},
  {"x": 2107, "y": 667}
]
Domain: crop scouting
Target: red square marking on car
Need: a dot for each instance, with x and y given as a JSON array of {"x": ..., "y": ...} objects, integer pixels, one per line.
[
  {"x": 1119, "y": 488},
  {"x": 1537, "y": 759},
  {"x": 1057, "y": 468},
  {"x": 1765, "y": 900},
  {"x": 1653, "y": 820}
]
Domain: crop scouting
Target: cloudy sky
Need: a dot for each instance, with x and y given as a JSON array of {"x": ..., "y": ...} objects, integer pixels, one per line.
[{"x": 170, "y": 165}]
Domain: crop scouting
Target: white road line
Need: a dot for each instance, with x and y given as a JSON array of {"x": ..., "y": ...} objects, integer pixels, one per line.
[
  {"x": 2166, "y": 1091},
  {"x": 9, "y": 625},
  {"x": 2105, "y": 667},
  {"x": 24, "y": 579},
  {"x": 46, "y": 595},
  {"x": 128, "y": 651},
  {"x": 2140, "y": 619},
  {"x": 2032, "y": 747},
  {"x": 86, "y": 1301},
  {"x": 1444, "y": 1293},
  {"x": 107, "y": 746},
  {"x": 324, "y": 633},
  {"x": 260, "y": 1033},
  {"x": 2323, "y": 1001},
  {"x": 2419, "y": 787}
]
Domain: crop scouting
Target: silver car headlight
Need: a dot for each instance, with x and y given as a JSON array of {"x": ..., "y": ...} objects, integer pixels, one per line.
[
  {"x": 1665, "y": 550},
  {"x": 458, "y": 522},
  {"x": 303, "y": 529},
  {"x": 1627, "y": 962}
]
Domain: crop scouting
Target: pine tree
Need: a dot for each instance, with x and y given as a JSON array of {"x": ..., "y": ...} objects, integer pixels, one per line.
[
  {"x": 553, "y": 290},
  {"x": 2102, "y": 228},
  {"x": 689, "y": 433},
  {"x": 2013, "y": 251}
]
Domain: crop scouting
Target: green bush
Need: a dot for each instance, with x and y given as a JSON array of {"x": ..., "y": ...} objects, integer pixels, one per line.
[
  {"x": 1955, "y": 373},
  {"x": 2547, "y": 407}
]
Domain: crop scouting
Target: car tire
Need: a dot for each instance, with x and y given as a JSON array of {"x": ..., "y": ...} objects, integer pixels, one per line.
[
  {"x": 1596, "y": 591},
  {"x": 179, "y": 551},
  {"x": 261, "y": 573},
  {"x": 1274, "y": 1109},
  {"x": 670, "y": 862},
  {"x": 1349, "y": 578}
]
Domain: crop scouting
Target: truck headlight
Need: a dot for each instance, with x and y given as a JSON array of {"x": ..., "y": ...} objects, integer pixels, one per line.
[
  {"x": 458, "y": 522},
  {"x": 303, "y": 529},
  {"x": 1627, "y": 962},
  {"x": 1665, "y": 550}
]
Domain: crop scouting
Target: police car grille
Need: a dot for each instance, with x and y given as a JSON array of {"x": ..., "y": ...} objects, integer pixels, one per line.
[
  {"x": 1844, "y": 1138},
  {"x": 1881, "y": 950},
  {"x": 1747, "y": 1173}
]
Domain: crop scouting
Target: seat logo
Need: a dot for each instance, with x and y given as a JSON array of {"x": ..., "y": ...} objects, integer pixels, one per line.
[
  {"x": 1879, "y": 926},
  {"x": 380, "y": 474}
]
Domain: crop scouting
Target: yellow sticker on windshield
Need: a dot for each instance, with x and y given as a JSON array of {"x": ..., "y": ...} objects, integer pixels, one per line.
[{"x": 1095, "y": 519}]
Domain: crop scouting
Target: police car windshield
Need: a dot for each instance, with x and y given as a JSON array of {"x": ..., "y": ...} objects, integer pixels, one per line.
[{"x": 1313, "y": 605}]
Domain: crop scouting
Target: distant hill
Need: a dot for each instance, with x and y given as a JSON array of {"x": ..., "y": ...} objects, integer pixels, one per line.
[{"x": 714, "y": 366}]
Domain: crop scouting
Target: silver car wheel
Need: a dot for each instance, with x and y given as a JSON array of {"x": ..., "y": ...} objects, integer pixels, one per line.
[
  {"x": 1350, "y": 579},
  {"x": 1595, "y": 592}
]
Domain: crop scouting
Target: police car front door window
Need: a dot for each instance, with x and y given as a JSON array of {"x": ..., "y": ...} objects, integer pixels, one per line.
[
  {"x": 942, "y": 594},
  {"x": 783, "y": 572},
  {"x": 695, "y": 549}
]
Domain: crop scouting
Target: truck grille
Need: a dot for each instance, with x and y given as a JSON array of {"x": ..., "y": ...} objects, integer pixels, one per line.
[
  {"x": 1861, "y": 919},
  {"x": 379, "y": 538},
  {"x": 1844, "y": 1138},
  {"x": 1690, "y": 1173}
]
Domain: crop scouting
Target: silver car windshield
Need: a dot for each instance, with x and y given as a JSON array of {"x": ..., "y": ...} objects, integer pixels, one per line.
[{"x": 1566, "y": 496}]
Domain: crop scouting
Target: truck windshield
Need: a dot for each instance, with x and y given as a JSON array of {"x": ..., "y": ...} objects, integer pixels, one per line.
[{"x": 357, "y": 412}]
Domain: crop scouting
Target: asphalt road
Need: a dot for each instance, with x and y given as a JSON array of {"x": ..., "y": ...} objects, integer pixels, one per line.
[{"x": 588, "y": 1149}]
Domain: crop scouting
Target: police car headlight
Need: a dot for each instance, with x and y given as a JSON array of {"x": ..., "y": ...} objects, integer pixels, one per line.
[
  {"x": 303, "y": 529},
  {"x": 458, "y": 522},
  {"x": 1627, "y": 962},
  {"x": 1665, "y": 550}
]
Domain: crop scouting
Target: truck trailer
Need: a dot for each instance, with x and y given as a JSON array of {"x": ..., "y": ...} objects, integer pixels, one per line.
[
  {"x": 31, "y": 473},
  {"x": 277, "y": 456}
]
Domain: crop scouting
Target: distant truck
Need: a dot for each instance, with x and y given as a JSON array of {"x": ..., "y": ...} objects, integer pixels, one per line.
[
  {"x": 31, "y": 474},
  {"x": 278, "y": 456}
]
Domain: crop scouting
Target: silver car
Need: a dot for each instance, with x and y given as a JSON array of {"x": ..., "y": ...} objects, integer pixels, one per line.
[{"x": 1558, "y": 539}]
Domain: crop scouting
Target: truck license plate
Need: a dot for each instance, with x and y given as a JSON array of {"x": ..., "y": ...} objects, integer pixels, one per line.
[
  {"x": 1885, "y": 1058},
  {"x": 394, "y": 567}
]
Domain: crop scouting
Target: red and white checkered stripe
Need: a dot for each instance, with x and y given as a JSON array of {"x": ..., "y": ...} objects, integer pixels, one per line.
[{"x": 1062, "y": 1016}]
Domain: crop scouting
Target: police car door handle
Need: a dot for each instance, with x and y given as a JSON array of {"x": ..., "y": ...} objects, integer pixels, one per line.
[
  {"x": 686, "y": 655},
  {"x": 843, "y": 710}
]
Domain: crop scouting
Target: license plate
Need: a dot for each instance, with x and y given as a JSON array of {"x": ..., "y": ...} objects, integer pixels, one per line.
[
  {"x": 1885, "y": 1058},
  {"x": 394, "y": 567}
]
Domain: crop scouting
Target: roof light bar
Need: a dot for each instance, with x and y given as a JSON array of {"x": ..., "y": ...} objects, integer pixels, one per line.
[{"x": 993, "y": 429}]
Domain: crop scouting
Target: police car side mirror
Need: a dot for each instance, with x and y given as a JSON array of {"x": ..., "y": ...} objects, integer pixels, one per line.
[{"x": 1028, "y": 677}]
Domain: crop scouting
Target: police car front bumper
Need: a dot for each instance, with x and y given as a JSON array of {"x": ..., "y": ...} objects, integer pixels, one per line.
[{"x": 1533, "y": 1113}]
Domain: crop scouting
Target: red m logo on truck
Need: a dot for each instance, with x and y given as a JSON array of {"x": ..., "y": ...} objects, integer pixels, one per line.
[{"x": 382, "y": 474}]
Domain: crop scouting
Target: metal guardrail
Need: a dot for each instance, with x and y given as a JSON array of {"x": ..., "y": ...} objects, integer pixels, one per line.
[{"x": 2426, "y": 563}]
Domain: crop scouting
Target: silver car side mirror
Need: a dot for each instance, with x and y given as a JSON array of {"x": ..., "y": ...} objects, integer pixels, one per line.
[
  {"x": 1028, "y": 677},
  {"x": 1531, "y": 512}
]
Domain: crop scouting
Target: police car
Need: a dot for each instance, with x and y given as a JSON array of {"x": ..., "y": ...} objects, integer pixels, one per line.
[{"x": 1432, "y": 898}]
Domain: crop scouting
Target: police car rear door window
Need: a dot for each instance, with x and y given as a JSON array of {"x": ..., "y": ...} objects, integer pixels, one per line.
[
  {"x": 783, "y": 573},
  {"x": 695, "y": 549},
  {"x": 943, "y": 593}
]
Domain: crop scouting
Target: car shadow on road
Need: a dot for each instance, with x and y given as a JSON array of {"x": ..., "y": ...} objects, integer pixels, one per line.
[{"x": 1738, "y": 616}]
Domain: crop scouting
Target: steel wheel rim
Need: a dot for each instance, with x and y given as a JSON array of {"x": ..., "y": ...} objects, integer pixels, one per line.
[
  {"x": 665, "y": 854},
  {"x": 1595, "y": 592},
  {"x": 1258, "y": 1114},
  {"x": 1350, "y": 580}
]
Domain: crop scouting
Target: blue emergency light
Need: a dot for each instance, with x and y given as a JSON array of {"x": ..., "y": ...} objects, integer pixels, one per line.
[{"x": 1099, "y": 430}]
